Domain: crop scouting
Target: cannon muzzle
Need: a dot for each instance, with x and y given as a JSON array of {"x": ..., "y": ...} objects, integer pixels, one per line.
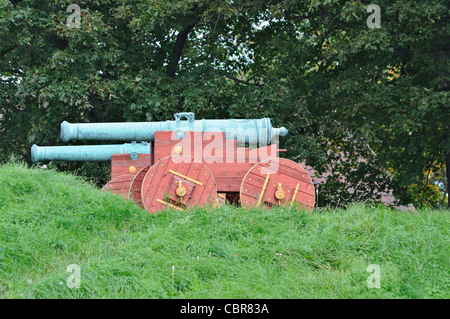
[
  {"x": 253, "y": 131},
  {"x": 86, "y": 152}
]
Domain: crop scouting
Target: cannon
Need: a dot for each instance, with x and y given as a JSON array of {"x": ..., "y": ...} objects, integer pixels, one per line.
[
  {"x": 253, "y": 131},
  {"x": 185, "y": 163},
  {"x": 92, "y": 153}
]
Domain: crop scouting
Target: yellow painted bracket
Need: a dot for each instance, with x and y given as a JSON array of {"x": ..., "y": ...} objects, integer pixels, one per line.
[
  {"x": 185, "y": 177},
  {"x": 295, "y": 194},
  {"x": 263, "y": 190},
  {"x": 169, "y": 204}
]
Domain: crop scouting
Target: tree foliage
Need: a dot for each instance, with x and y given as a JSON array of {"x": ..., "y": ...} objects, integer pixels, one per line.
[{"x": 372, "y": 101}]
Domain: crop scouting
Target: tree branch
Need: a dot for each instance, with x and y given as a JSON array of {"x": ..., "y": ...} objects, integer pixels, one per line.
[
  {"x": 236, "y": 80},
  {"x": 298, "y": 18},
  {"x": 7, "y": 50}
]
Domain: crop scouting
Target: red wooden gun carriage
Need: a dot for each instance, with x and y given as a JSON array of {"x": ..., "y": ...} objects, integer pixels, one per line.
[{"x": 181, "y": 164}]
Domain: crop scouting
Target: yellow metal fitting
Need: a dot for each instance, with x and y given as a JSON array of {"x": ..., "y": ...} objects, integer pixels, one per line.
[
  {"x": 181, "y": 191},
  {"x": 280, "y": 194},
  {"x": 178, "y": 149}
]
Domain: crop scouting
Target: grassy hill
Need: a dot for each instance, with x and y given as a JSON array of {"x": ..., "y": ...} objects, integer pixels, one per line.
[{"x": 50, "y": 220}]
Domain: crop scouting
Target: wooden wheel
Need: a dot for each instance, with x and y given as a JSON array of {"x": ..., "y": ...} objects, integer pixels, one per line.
[
  {"x": 136, "y": 186},
  {"x": 179, "y": 184},
  {"x": 277, "y": 182},
  {"x": 120, "y": 185}
]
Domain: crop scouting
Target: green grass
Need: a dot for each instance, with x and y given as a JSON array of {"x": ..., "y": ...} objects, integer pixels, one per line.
[{"x": 49, "y": 220}]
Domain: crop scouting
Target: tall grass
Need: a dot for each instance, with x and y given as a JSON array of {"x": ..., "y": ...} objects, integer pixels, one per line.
[{"x": 50, "y": 220}]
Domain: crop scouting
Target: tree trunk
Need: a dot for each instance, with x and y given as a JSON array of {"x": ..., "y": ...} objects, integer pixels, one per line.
[
  {"x": 177, "y": 51},
  {"x": 441, "y": 66},
  {"x": 447, "y": 168},
  {"x": 445, "y": 182}
]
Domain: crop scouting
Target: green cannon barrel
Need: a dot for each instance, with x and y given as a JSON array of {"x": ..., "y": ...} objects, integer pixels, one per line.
[
  {"x": 87, "y": 152},
  {"x": 251, "y": 131}
]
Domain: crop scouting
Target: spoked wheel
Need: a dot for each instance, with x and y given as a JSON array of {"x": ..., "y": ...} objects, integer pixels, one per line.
[
  {"x": 136, "y": 186},
  {"x": 120, "y": 185},
  {"x": 277, "y": 182},
  {"x": 178, "y": 182}
]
